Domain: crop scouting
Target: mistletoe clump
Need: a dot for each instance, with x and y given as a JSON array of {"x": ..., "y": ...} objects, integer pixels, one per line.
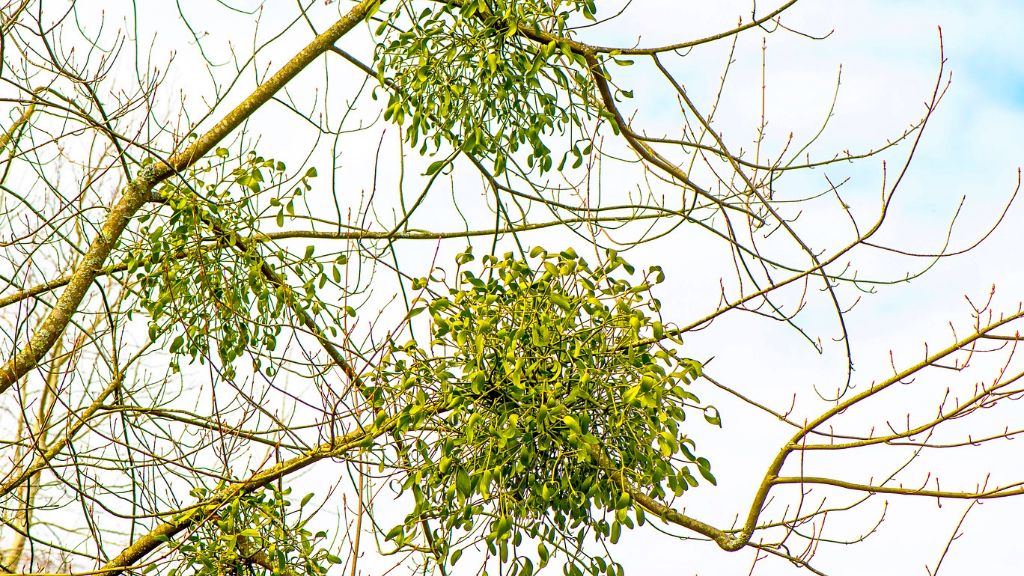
[
  {"x": 463, "y": 71},
  {"x": 202, "y": 278},
  {"x": 257, "y": 533},
  {"x": 560, "y": 387}
]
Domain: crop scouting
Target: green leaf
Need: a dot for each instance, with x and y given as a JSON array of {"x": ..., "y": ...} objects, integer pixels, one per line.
[
  {"x": 572, "y": 423},
  {"x": 394, "y": 533},
  {"x": 436, "y": 167},
  {"x": 562, "y": 302},
  {"x": 705, "y": 471},
  {"x": 543, "y": 554},
  {"x": 658, "y": 329},
  {"x": 712, "y": 416},
  {"x": 630, "y": 395},
  {"x": 463, "y": 483}
]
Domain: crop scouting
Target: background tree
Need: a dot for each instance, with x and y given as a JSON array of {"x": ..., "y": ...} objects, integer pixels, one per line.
[{"x": 426, "y": 288}]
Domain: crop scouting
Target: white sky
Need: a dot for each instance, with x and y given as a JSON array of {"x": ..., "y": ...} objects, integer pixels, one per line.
[{"x": 889, "y": 52}]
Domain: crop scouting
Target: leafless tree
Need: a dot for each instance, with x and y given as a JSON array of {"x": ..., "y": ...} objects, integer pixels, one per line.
[{"x": 215, "y": 258}]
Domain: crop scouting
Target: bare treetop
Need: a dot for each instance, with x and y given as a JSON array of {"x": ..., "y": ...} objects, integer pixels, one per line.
[{"x": 452, "y": 267}]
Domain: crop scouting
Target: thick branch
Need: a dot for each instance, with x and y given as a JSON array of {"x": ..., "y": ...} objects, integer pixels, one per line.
[
  {"x": 162, "y": 533},
  {"x": 138, "y": 192}
]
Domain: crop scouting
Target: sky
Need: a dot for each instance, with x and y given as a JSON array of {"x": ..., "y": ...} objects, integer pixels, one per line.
[
  {"x": 889, "y": 52},
  {"x": 889, "y": 55}
]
